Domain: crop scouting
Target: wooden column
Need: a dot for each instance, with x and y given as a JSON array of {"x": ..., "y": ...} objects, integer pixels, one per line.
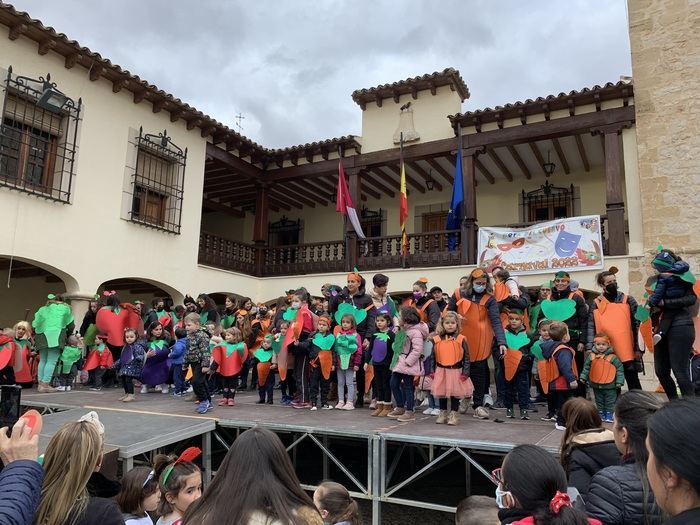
[
  {"x": 469, "y": 225},
  {"x": 351, "y": 248},
  {"x": 260, "y": 226},
  {"x": 614, "y": 192}
]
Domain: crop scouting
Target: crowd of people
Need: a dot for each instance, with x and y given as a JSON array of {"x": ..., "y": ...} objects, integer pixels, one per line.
[{"x": 356, "y": 344}]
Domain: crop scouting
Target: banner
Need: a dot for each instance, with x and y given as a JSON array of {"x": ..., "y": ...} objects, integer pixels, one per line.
[{"x": 570, "y": 244}]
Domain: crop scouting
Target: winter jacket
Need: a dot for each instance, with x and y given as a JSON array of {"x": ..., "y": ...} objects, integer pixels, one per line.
[
  {"x": 99, "y": 511},
  {"x": 20, "y": 486},
  {"x": 592, "y": 450},
  {"x": 634, "y": 327},
  {"x": 564, "y": 360},
  {"x": 135, "y": 366},
  {"x": 677, "y": 311},
  {"x": 410, "y": 360},
  {"x": 689, "y": 517},
  {"x": 577, "y": 323},
  {"x": 491, "y": 308},
  {"x": 669, "y": 284},
  {"x": 197, "y": 348},
  {"x": 619, "y": 378},
  {"x": 432, "y": 311},
  {"x": 616, "y": 497},
  {"x": 177, "y": 352}
]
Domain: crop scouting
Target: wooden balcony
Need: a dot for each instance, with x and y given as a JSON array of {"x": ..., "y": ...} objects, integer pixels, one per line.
[{"x": 441, "y": 248}]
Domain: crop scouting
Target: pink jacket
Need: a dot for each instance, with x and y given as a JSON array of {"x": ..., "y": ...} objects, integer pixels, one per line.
[{"x": 409, "y": 362}]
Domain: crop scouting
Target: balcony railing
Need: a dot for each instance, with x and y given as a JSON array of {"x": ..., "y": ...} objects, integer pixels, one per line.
[{"x": 441, "y": 248}]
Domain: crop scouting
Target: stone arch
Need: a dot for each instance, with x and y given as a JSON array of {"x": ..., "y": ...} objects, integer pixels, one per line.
[
  {"x": 30, "y": 282},
  {"x": 141, "y": 288}
]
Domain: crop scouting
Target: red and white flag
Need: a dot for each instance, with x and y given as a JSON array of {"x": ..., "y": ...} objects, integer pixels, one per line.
[{"x": 343, "y": 202}]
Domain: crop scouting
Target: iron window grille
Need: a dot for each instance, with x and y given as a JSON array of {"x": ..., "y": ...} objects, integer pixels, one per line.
[
  {"x": 547, "y": 203},
  {"x": 38, "y": 136},
  {"x": 158, "y": 182}
]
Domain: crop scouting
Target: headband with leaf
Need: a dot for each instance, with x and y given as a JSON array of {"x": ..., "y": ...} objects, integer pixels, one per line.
[{"x": 189, "y": 454}]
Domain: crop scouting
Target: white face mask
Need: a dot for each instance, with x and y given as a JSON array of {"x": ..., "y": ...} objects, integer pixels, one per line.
[
  {"x": 501, "y": 496},
  {"x": 296, "y": 304},
  {"x": 479, "y": 288}
]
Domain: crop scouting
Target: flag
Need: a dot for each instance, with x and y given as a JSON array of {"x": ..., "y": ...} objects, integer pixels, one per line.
[
  {"x": 403, "y": 206},
  {"x": 454, "y": 216},
  {"x": 344, "y": 204}
]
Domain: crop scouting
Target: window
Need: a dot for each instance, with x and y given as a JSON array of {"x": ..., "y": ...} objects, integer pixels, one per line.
[
  {"x": 37, "y": 137},
  {"x": 547, "y": 203},
  {"x": 372, "y": 222},
  {"x": 435, "y": 222},
  {"x": 157, "y": 183},
  {"x": 284, "y": 232}
]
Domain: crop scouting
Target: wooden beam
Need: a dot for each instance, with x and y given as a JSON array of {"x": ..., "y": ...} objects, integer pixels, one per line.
[
  {"x": 519, "y": 161},
  {"x": 280, "y": 197},
  {"x": 306, "y": 192},
  {"x": 409, "y": 179},
  {"x": 139, "y": 95},
  {"x": 158, "y": 105},
  {"x": 260, "y": 225},
  {"x": 379, "y": 185},
  {"x": 498, "y": 162},
  {"x": 175, "y": 115},
  {"x": 71, "y": 60},
  {"x": 238, "y": 165},
  {"x": 538, "y": 156},
  {"x": 330, "y": 188},
  {"x": 16, "y": 31},
  {"x": 96, "y": 71},
  {"x": 366, "y": 188},
  {"x": 425, "y": 175},
  {"x": 46, "y": 46},
  {"x": 217, "y": 206},
  {"x": 119, "y": 84},
  {"x": 486, "y": 174},
  {"x": 229, "y": 192},
  {"x": 560, "y": 154},
  {"x": 582, "y": 153},
  {"x": 386, "y": 178},
  {"x": 449, "y": 177}
]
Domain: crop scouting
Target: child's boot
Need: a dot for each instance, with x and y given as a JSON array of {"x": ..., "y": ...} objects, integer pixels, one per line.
[
  {"x": 452, "y": 419},
  {"x": 523, "y": 414},
  {"x": 378, "y": 410},
  {"x": 442, "y": 417},
  {"x": 386, "y": 410}
]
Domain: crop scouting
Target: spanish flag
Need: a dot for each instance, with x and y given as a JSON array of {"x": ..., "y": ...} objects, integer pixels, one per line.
[{"x": 403, "y": 205}]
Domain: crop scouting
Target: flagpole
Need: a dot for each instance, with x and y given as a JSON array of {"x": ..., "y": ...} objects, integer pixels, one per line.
[
  {"x": 404, "y": 250},
  {"x": 346, "y": 244}
]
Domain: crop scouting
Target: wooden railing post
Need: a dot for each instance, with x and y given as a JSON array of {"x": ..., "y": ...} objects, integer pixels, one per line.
[
  {"x": 615, "y": 203},
  {"x": 260, "y": 226},
  {"x": 469, "y": 226}
]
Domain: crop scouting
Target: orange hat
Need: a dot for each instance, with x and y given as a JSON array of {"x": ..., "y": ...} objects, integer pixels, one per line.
[
  {"x": 601, "y": 338},
  {"x": 478, "y": 272},
  {"x": 242, "y": 312},
  {"x": 356, "y": 276}
]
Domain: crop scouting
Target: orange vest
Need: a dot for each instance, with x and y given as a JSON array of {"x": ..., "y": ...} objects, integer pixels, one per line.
[
  {"x": 476, "y": 326},
  {"x": 602, "y": 371},
  {"x": 448, "y": 352},
  {"x": 549, "y": 370},
  {"x": 615, "y": 321},
  {"x": 500, "y": 291},
  {"x": 264, "y": 325},
  {"x": 422, "y": 311}
]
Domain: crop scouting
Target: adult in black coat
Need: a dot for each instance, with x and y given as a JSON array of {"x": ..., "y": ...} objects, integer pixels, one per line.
[
  {"x": 673, "y": 474},
  {"x": 587, "y": 447},
  {"x": 90, "y": 317},
  {"x": 620, "y": 495},
  {"x": 354, "y": 294}
]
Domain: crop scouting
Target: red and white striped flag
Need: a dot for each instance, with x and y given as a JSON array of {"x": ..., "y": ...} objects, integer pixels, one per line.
[{"x": 344, "y": 204}]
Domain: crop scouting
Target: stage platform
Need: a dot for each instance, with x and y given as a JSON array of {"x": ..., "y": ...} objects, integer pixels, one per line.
[{"x": 377, "y": 458}]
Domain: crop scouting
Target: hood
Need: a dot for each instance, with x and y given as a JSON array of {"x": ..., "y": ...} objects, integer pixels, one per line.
[
  {"x": 548, "y": 348},
  {"x": 421, "y": 327},
  {"x": 99, "y": 486},
  {"x": 556, "y": 294},
  {"x": 608, "y": 351},
  {"x": 4, "y": 339},
  {"x": 589, "y": 437}
]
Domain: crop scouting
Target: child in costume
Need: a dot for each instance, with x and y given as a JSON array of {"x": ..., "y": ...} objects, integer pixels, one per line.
[
  {"x": 7, "y": 357},
  {"x": 25, "y": 356},
  {"x": 283, "y": 359},
  {"x": 156, "y": 368},
  {"x": 379, "y": 357},
  {"x": 266, "y": 365},
  {"x": 348, "y": 358},
  {"x": 214, "y": 380},
  {"x": 536, "y": 351},
  {"x": 228, "y": 316},
  {"x": 450, "y": 361},
  {"x": 138, "y": 496},
  {"x": 259, "y": 327},
  {"x": 227, "y": 359},
  {"x": 177, "y": 356},
  {"x": 180, "y": 483},
  {"x": 98, "y": 361},
  {"x": 68, "y": 364},
  {"x": 407, "y": 363},
  {"x": 558, "y": 371},
  {"x": 198, "y": 357},
  {"x": 302, "y": 323},
  {"x": 424, "y": 303},
  {"x": 605, "y": 373},
  {"x": 516, "y": 365},
  {"x": 243, "y": 324},
  {"x": 130, "y": 363},
  {"x": 319, "y": 349}
]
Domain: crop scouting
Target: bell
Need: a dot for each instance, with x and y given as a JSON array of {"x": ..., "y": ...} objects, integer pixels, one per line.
[{"x": 406, "y": 127}]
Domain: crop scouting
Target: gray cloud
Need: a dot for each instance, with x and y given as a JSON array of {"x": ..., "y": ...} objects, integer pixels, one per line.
[{"x": 290, "y": 67}]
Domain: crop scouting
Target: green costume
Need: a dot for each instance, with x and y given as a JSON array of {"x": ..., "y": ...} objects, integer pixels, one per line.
[{"x": 69, "y": 356}]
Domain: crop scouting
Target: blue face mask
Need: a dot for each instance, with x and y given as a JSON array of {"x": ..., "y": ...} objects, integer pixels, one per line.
[
  {"x": 479, "y": 288},
  {"x": 500, "y": 497}
]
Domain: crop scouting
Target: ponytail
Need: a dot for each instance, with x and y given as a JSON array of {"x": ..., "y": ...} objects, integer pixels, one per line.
[{"x": 335, "y": 499}]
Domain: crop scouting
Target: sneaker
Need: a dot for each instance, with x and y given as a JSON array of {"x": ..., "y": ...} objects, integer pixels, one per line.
[
  {"x": 540, "y": 399},
  {"x": 287, "y": 402},
  {"x": 158, "y": 388},
  {"x": 349, "y": 406},
  {"x": 655, "y": 339},
  {"x": 557, "y": 426},
  {"x": 231, "y": 403},
  {"x": 452, "y": 419},
  {"x": 164, "y": 389},
  {"x": 326, "y": 407},
  {"x": 488, "y": 401},
  {"x": 340, "y": 405},
  {"x": 204, "y": 407},
  {"x": 523, "y": 414},
  {"x": 69, "y": 388},
  {"x": 407, "y": 416},
  {"x": 96, "y": 388},
  {"x": 548, "y": 417},
  {"x": 608, "y": 417},
  {"x": 435, "y": 412},
  {"x": 189, "y": 390},
  {"x": 509, "y": 413},
  {"x": 314, "y": 408},
  {"x": 463, "y": 405},
  {"x": 481, "y": 413},
  {"x": 428, "y": 412},
  {"x": 398, "y": 411},
  {"x": 60, "y": 388},
  {"x": 373, "y": 405},
  {"x": 424, "y": 403},
  {"x": 144, "y": 389},
  {"x": 442, "y": 418},
  {"x": 129, "y": 398},
  {"x": 222, "y": 402}
]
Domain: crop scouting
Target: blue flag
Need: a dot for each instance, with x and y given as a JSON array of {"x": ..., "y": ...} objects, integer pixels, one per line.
[{"x": 454, "y": 216}]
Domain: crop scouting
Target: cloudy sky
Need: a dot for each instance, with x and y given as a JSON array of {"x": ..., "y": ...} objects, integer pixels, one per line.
[{"x": 290, "y": 66}]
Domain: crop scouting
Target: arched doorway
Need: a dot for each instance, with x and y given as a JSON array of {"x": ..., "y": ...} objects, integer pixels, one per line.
[
  {"x": 25, "y": 287},
  {"x": 132, "y": 289}
]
